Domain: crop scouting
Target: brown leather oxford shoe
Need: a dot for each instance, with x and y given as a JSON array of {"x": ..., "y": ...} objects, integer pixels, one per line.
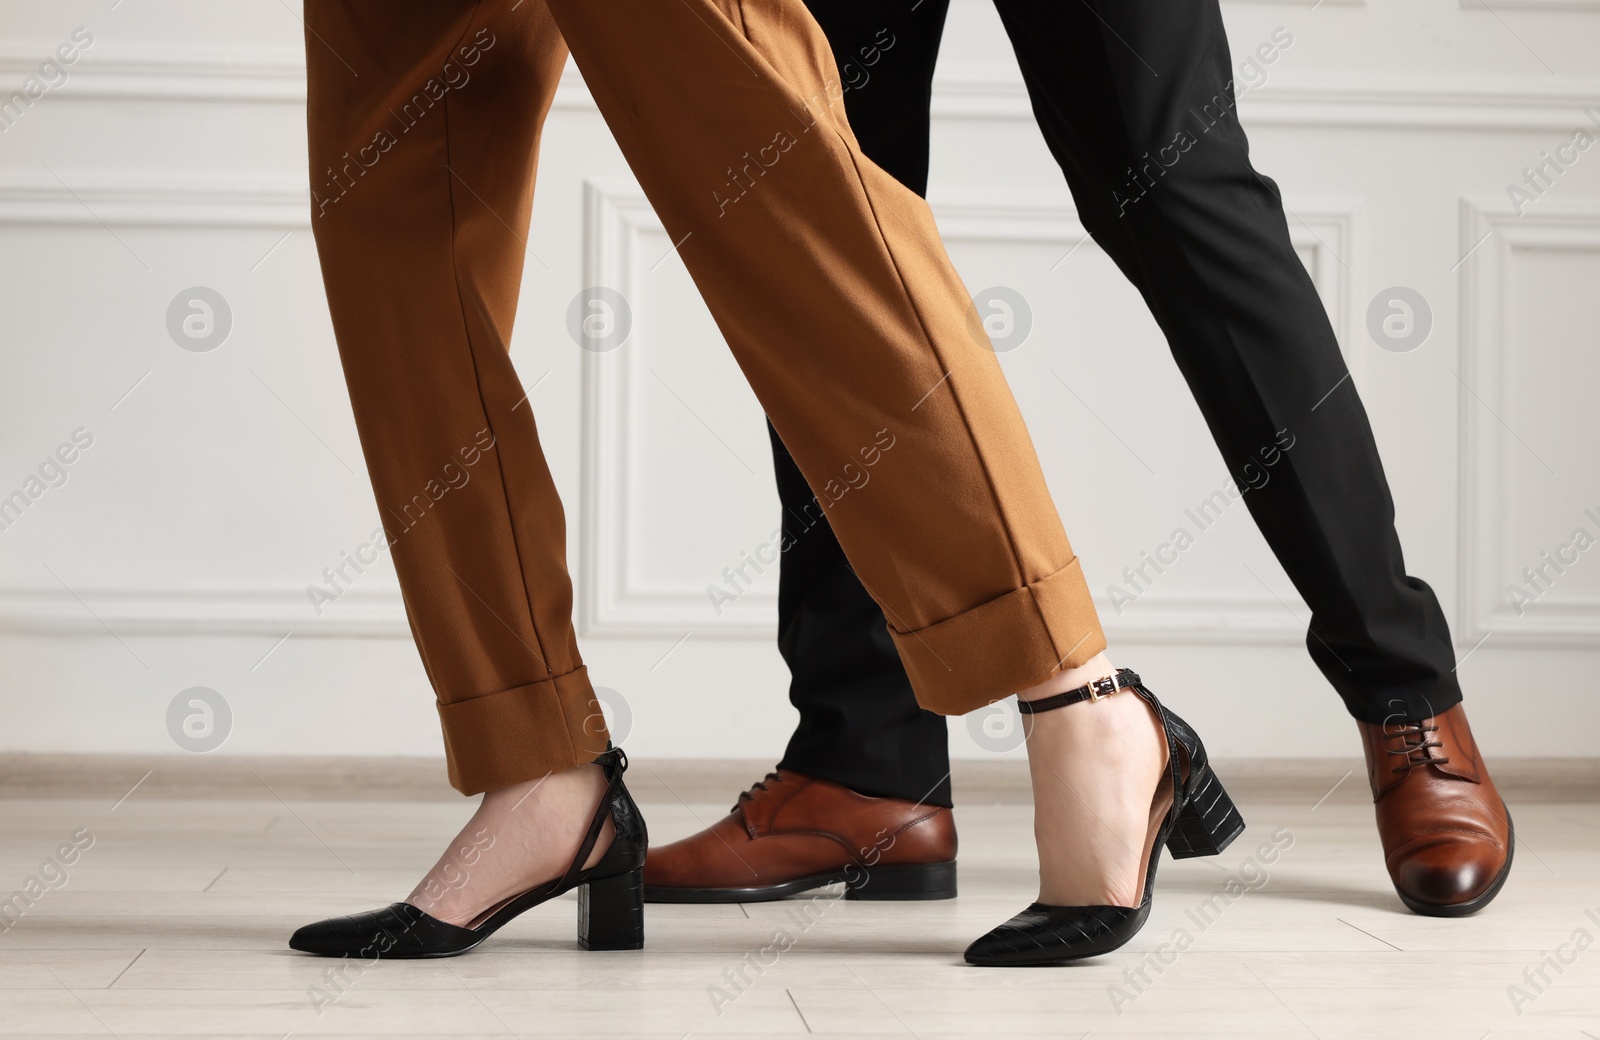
[
  {"x": 1447, "y": 836},
  {"x": 790, "y": 833}
]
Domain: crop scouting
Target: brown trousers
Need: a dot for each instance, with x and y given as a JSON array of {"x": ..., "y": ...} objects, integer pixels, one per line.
[{"x": 826, "y": 277}]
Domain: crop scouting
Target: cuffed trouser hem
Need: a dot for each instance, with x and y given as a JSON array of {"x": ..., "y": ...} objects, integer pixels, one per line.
[
  {"x": 522, "y": 733},
  {"x": 1003, "y": 646}
]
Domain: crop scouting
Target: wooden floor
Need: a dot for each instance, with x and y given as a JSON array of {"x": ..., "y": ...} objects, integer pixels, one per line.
[{"x": 172, "y": 924}]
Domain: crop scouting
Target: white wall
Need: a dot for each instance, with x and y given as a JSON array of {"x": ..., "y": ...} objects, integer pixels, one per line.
[{"x": 220, "y": 484}]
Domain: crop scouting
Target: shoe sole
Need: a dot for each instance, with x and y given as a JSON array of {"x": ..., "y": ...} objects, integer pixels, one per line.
[
  {"x": 1471, "y": 906},
  {"x": 916, "y": 882}
]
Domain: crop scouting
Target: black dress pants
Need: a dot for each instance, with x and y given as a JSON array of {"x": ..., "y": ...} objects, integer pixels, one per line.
[{"x": 1136, "y": 102}]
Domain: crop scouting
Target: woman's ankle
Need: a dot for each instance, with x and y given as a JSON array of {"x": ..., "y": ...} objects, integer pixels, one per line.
[
  {"x": 520, "y": 836},
  {"x": 1095, "y": 766},
  {"x": 1097, "y": 667}
]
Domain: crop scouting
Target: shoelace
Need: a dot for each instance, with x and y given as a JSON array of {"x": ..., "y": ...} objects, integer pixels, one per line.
[
  {"x": 1418, "y": 752},
  {"x": 760, "y": 785}
]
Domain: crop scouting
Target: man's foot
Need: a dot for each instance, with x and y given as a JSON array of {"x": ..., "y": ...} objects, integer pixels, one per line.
[
  {"x": 1447, "y": 837},
  {"x": 520, "y": 837},
  {"x": 1098, "y": 770},
  {"x": 791, "y": 833}
]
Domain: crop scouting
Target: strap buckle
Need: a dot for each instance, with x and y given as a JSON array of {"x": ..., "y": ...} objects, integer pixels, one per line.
[{"x": 1095, "y": 690}]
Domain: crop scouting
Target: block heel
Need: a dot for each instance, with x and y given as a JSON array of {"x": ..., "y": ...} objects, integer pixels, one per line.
[
  {"x": 1208, "y": 822},
  {"x": 919, "y": 881},
  {"x": 611, "y": 912}
]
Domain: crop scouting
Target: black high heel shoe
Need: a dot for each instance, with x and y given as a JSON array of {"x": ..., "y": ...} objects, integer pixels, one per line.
[
  {"x": 1201, "y": 822},
  {"x": 610, "y": 897}
]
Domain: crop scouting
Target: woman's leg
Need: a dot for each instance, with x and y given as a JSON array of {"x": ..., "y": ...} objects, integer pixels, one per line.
[{"x": 424, "y": 123}]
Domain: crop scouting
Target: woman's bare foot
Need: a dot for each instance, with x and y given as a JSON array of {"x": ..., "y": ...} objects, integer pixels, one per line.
[
  {"x": 521, "y": 837},
  {"x": 1095, "y": 765}
]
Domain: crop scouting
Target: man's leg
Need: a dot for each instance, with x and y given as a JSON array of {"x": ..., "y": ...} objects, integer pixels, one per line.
[
  {"x": 1204, "y": 238},
  {"x": 1160, "y": 170},
  {"x": 860, "y": 724}
]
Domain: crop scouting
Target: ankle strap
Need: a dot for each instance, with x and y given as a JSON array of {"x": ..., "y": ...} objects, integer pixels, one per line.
[{"x": 1090, "y": 691}]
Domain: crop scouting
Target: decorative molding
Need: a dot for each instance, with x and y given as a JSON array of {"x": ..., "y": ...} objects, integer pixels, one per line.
[
  {"x": 1491, "y": 234},
  {"x": 976, "y": 91},
  {"x": 201, "y": 75},
  {"x": 188, "y": 74},
  {"x": 1431, "y": 103},
  {"x": 219, "y": 202},
  {"x": 610, "y": 600},
  {"x": 133, "y": 201},
  {"x": 262, "y": 611},
  {"x": 1333, "y": 229},
  {"x": 1531, "y": 5},
  {"x": 1366, "y": 101}
]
